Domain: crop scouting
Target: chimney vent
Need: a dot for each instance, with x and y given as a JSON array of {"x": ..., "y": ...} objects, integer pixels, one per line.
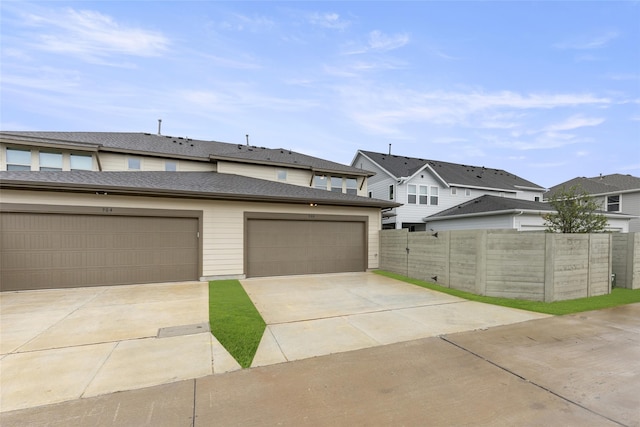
[
  {"x": 247, "y": 135},
  {"x": 389, "y": 149},
  {"x": 159, "y": 126}
]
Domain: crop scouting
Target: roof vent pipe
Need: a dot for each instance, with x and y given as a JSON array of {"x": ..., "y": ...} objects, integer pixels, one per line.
[
  {"x": 389, "y": 149},
  {"x": 159, "y": 126},
  {"x": 247, "y": 135}
]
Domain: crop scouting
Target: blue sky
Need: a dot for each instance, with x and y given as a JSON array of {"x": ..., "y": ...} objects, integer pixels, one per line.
[{"x": 546, "y": 90}]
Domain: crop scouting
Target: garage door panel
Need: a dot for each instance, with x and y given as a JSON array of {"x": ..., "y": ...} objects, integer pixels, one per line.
[
  {"x": 51, "y": 251},
  {"x": 289, "y": 247}
]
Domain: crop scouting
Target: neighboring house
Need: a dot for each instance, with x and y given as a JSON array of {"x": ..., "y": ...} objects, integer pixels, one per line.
[
  {"x": 492, "y": 212},
  {"x": 426, "y": 187},
  {"x": 616, "y": 193},
  {"x": 89, "y": 209}
]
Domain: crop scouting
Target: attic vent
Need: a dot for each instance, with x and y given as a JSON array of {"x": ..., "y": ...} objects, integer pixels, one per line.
[
  {"x": 478, "y": 176},
  {"x": 192, "y": 145}
]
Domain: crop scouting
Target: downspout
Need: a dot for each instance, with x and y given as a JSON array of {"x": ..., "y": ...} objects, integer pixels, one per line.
[{"x": 514, "y": 220}]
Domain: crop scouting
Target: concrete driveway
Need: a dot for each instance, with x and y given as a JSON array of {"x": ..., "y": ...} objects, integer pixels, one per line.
[
  {"x": 63, "y": 344},
  {"x": 315, "y": 315}
]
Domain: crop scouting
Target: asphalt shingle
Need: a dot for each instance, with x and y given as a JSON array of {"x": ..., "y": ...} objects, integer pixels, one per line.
[
  {"x": 451, "y": 173},
  {"x": 208, "y": 185}
]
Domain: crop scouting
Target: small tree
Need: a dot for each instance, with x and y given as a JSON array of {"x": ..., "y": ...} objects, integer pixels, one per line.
[{"x": 575, "y": 212}]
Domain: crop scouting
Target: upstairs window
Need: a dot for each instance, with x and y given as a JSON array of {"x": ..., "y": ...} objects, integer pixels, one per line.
[
  {"x": 81, "y": 162},
  {"x": 50, "y": 161},
  {"x": 433, "y": 200},
  {"x": 424, "y": 199},
  {"x": 411, "y": 194},
  {"x": 467, "y": 192},
  {"x": 282, "y": 175},
  {"x": 320, "y": 182},
  {"x": 336, "y": 184},
  {"x": 352, "y": 186},
  {"x": 170, "y": 166},
  {"x": 613, "y": 203},
  {"x": 18, "y": 160},
  {"x": 391, "y": 192},
  {"x": 454, "y": 191},
  {"x": 133, "y": 164}
]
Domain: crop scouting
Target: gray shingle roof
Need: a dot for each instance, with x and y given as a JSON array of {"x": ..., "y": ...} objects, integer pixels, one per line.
[
  {"x": 164, "y": 145},
  {"x": 207, "y": 185},
  {"x": 486, "y": 204},
  {"x": 604, "y": 184},
  {"x": 452, "y": 173}
]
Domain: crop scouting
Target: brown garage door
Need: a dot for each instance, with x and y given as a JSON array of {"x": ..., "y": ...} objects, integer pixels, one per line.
[
  {"x": 284, "y": 247},
  {"x": 61, "y": 251}
]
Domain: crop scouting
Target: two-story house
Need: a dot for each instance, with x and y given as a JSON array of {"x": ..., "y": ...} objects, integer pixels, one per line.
[
  {"x": 92, "y": 208},
  {"x": 427, "y": 187},
  {"x": 616, "y": 193}
]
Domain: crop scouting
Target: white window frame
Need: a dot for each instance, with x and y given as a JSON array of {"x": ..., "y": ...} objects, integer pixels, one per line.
[
  {"x": 454, "y": 191},
  {"x": 434, "y": 194},
  {"x": 170, "y": 166},
  {"x": 52, "y": 155},
  {"x": 412, "y": 194},
  {"x": 351, "y": 185},
  {"x": 18, "y": 166},
  {"x": 79, "y": 156},
  {"x": 618, "y": 203},
  {"x": 423, "y": 196},
  {"x": 281, "y": 174},
  {"x": 333, "y": 183},
  {"x": 391, "y": 191},
  {"x": 467, "y": 192},
  {"x": 320, "y": 179},
  {"x": 130, "y": 161}
]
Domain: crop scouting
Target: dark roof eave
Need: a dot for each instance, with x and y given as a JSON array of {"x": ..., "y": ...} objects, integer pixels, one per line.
[{"x": 185, "y": 194}]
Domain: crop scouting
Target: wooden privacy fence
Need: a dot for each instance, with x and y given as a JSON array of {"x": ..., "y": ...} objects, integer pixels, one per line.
[{"x": 503, "y": 263}]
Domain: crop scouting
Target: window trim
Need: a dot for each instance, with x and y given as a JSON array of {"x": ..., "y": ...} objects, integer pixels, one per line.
[
  {"x": 134, "y": 159},
  {"x": 391, "y": 191},
  {"x": 434, "y": 195},
  {"x": 412, "y": 193},
  {"x": 18, "y": 166},
  {"x": 49, "y": 168},
  {"x": 78, "y": 155},
  {"x": 423, "y": 196},
  {"x": 617, "y": 203}
]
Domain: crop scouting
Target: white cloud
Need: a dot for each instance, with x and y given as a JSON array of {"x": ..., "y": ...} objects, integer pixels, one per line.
[
  {"x": 584, "y": 43},
  {"x": 93, "y": 35},
  {"x": 382, "y": 42},
  {"x": 575, "y": 122},
  {"x": 329, "y": 20},
  {"x": 377, "y": 41},
  {"x": 253, "y": 24}
]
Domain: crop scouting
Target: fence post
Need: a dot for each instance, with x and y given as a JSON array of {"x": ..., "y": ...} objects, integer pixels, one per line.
[
  {"x": 549, "y": 267},
  {"x": 481, "y": 262}
]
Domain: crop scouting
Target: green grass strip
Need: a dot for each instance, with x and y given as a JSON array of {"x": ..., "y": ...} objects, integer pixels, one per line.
[
  {"x": 618, "y": 296},
  {"x": 234, "y": 320}
]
